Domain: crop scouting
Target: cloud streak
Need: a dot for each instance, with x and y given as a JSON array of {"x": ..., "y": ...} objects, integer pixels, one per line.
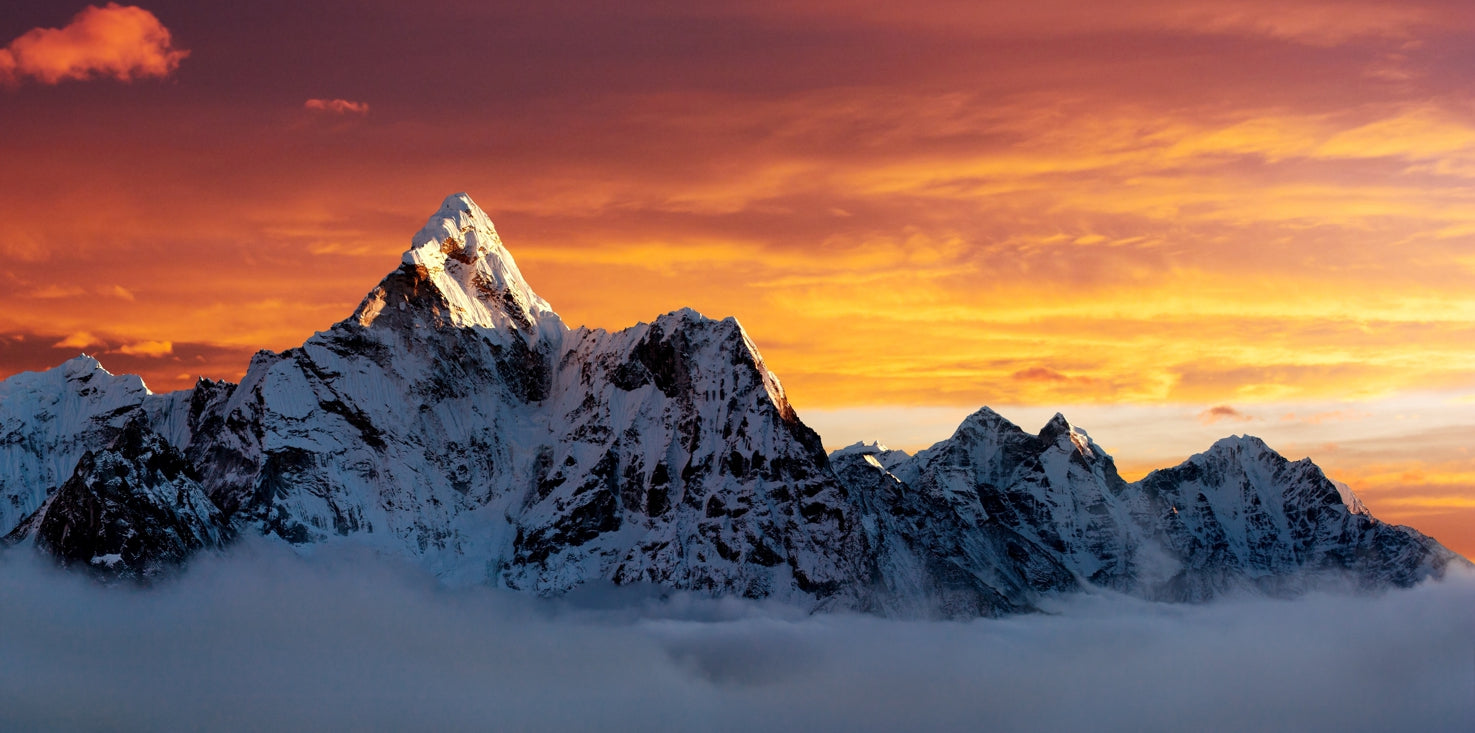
[
  {"x": 147, "y": 348},
  {"x": 1312, "y": 22},
  {"x": 264, "y": 639},
  {"x": 113, "y": 41},
  {"x": 1220, "y": 413},
  {"x": 78, "y": 340},
  {"x": 337, "y": 106}
]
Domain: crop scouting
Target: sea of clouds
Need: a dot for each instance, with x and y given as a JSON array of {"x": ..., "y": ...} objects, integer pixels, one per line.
[{"x": 262, "y": 639}]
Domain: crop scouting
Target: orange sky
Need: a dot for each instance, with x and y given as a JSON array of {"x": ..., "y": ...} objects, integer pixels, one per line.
[{"x": 1134, "y": 212}]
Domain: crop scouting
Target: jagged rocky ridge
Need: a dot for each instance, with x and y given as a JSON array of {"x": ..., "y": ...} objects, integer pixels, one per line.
[
  {"x": 456, "y": 420},
  {"x": 1238, "y": 517},
  {"x": 134, "y": 509}
]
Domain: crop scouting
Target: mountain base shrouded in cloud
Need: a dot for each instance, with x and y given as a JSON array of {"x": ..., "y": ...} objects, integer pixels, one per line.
[
  {"x": 455, "y": 420},
  {"x": 262, "y": 638}
]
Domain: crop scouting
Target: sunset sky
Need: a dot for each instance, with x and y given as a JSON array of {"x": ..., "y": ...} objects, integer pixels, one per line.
[{"x": 1172, "y": 221}]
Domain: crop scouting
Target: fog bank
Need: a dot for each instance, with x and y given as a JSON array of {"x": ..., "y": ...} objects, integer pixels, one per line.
[{"x": 261, "y": 639}]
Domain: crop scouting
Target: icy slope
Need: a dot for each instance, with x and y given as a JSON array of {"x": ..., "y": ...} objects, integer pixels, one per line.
[
  {"x": 1241, "y": 513},
  {"x": 936, "y": 555},
  {"x": 1237, "y": 517},
  {"x": 676, "y": 441},
  {"x": 1056, "y": 488},
  {"x": 48, "y": 420},
  {"x": 131, "y": 510}
]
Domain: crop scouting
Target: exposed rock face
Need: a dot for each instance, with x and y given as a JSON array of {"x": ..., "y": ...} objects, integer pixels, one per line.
[
  {"x": 1240, "y": 514},
  {"x": 131, "y": 510},
  {"x": 456, "y": 420},
  {"x": 935, "y": 554},
  {"x": 48, "y": 420},
  {"x": 675, "y": 445},
  {"x": 1057, "y": 488},
  {"x": 1237, "y": 517}
]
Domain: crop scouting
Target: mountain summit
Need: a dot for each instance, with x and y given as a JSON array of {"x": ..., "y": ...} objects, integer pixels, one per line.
[
  {"x": 455, "y": 420},
  {"x": 459, "y": 257}
]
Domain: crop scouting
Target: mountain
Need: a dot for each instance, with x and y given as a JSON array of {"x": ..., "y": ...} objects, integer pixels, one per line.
[
  {"x": 933, "y": 553},
  {"x": 1241, "y": 514},
  {"x": 455, "y": 419},
  {"x": 1238, "y": 517},
  {"x": 48, "y": 420},
  {"x": 133, "y": 510}
]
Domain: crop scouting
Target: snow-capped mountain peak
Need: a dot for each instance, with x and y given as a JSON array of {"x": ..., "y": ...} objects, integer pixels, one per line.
[
  {"x": 771, "y": 383},
  {"x": 1349, "y": 498},
  {"x": 985, "y": 421},
  {"x": 460, "y": 256},
  {"x": 49, "y": 419},
  {"x": 1240, "y": 444},
  {"x": 1059, "y": 429},
  {"x": 459, "y": 220},
  {"x": 861, "y": 448}
]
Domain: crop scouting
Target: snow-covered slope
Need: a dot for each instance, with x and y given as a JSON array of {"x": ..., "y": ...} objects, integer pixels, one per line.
[
  {"x": 935, "y": 554},
  {"x": 48, "y": 420},
  {"x": 454, "y": 419},
  {"x": 130, "y": 510},
  {"x": 1237, "y": 517},
  {"x": 676, "y": 439},
  {"x": 1057, "y": 488},
  {"x": 1241, "y": 513}
]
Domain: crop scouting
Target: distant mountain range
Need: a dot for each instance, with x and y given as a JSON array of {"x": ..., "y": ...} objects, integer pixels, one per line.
[{"x": 456, "y": 420}]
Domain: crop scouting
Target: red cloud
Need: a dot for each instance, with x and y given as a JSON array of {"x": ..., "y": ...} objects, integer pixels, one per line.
[
  {"x": 122, "y": 42},
  {"x": 338, "y": 106},
  {"x": 1222, "y": 412},
  {"x": 1040, "y": 374}
]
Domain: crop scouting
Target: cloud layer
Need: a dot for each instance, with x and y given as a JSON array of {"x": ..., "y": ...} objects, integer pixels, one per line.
[
  {"x": 113, "y": 41},
  {"x": 262, "y": 639}
]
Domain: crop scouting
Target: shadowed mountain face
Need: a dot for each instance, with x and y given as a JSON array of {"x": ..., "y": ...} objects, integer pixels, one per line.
[
  {"x": 454, "y": 419},
  {"x": 1238, "y": 517},
  {"x": 130, "y": 510}
]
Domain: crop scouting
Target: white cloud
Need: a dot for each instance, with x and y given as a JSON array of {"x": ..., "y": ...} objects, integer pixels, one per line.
[{"x": 264, "y": 640}]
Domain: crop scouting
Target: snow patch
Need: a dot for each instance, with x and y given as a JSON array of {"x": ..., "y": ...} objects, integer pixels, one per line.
[{"x": 109, "y": 560}]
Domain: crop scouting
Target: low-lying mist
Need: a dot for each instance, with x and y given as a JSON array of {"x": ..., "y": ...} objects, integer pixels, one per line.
[{"x": 261, "y": 639}]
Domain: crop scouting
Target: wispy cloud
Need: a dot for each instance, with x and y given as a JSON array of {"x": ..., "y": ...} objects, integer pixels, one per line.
[
  {"x": 1039, "y": 374},
  {"x": 337, "y": 106},
  {"x": 165, "y": 365},
  {"x": 78, "y": 340},
  {"x": 1311, "y": 22},
  {"x": 1220, "y": 413},
  {"x": 1324, "y": 417},
  {"x": 147, "y": 348}
]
